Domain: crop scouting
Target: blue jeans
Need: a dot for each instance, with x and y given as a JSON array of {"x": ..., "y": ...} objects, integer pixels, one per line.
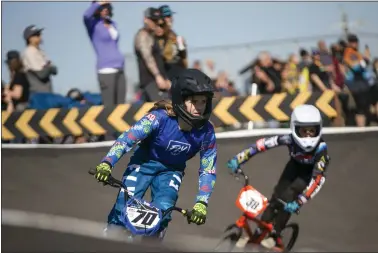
[{"x": 164, "y": 184}]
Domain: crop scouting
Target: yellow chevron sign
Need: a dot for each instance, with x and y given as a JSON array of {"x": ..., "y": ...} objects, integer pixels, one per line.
[
  {"x": 69, "y": 122},
  {"x": 300, "y": 99},
  {"x": 247, "y": 108},
  {"x": 89, "y": 120},
  {"x": 116, "y": 118},
  {"x": 22, "y": 124},
  {"x": 273, "y": 107},
  {"x": 221, "y": 110},
  {"x": 6, "y": 134},
  {"x": 323, "y": 103},
  {"x": 47, "y": 125}
]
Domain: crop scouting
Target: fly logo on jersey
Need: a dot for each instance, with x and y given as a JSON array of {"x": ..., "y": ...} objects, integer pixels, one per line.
[{"x": 176, "y": 147}]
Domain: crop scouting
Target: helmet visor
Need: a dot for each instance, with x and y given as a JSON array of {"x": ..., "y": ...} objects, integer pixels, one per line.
[{"x": 307, "y": 131}]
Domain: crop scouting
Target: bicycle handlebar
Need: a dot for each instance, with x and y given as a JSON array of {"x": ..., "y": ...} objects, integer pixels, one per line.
[{"x": 119, "y": 184}]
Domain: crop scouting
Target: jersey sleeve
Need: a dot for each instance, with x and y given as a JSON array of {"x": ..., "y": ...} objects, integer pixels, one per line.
[
  {"x": 319, "y": 174},
  {"x": 138, "y": 132},
  {"x": 261, "y": 145},
  {"x": 207, "y": 170}
]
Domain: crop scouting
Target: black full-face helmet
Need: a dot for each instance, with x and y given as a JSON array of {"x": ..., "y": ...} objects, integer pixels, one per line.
[{"x": 190, "y": 82}]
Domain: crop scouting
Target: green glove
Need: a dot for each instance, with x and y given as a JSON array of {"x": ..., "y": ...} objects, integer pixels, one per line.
[
  {"x": 103, "y": 171},
  {"x": 198, "y": 214}
]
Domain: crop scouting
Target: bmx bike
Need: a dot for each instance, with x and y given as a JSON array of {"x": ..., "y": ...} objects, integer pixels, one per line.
[
  {"x": 252, "y": 203},
  {"x": 139, "y": 217}
]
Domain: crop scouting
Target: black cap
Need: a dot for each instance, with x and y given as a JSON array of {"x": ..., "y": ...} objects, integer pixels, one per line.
[
  {"x": 303, "y": 52},
  {"x": 352, "y": 38},
  {"x": 153, "y": 14},
  {"x": 13, "y": 54},
  {"x": 31, "y": 30}
]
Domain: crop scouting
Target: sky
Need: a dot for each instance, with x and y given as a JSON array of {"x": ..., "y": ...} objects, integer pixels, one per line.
[{"x": 204, "y": 25}]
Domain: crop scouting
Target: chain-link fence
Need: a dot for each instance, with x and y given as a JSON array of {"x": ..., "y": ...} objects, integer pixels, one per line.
[{"x": 233, "y": 58}]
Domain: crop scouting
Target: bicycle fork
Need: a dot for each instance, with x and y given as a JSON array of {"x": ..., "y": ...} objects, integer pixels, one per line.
[{"x": 251, "y": 237}]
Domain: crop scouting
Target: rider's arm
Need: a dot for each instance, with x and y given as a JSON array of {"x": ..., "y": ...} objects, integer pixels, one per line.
[
  {"x": 207, "y": 170},
  {"x": 262, "y": 145},
  {"x": 318, "y": 176},
  {"x": 138, "y": 132}
]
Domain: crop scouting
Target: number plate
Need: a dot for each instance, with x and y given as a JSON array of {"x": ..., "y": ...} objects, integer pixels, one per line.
[
  {"x": 251, "y": 201},
  {"x": 142, "y": 218}
]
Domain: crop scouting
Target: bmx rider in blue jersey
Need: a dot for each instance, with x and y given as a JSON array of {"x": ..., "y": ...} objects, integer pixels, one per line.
[{"x": 169, "y": 135}]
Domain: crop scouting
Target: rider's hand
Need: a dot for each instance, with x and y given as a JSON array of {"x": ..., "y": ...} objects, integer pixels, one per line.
[
  {"x": 198, "y": 214},
  {"x": 292, "y": 207},
  {"x": 233, "y": 165},
  {"x": 103, "y": 171}
]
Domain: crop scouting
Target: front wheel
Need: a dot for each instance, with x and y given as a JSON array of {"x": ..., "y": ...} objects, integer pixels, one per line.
[
  {"x": 289, "y": 235},
  {"x": 229, "y": 239}
]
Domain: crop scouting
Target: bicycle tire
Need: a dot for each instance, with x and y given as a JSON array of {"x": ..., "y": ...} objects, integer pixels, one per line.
[
  {"x": 294, "y": 236},
  {"x": 231, "y": 235}
]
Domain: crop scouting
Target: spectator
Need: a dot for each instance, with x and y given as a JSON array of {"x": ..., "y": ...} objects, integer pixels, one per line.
[
  {"x": 152, "y": 75},
  {"x": 305, "y": 59},
  {"x": 267, "y": 78},
  {"x": 18, "y": 90},
  {"x": 221, "y": 82},
  {"x": 104, "y": 35},
  {"x": 304, "y": 74},
  {"x": 338, "y": 76},
  {"x": 357, "y": 78},
  {"x": 210, "y": 69},
  {"x": 325, "y": 56},
  {"x": 197, "y": 65},
  {"x": 292, "y": 74},
  {"x": 319, "y": 77},
  {"x": 374, "y": 88},
  {"x": 6, "y": 100},
  {"x": 375, "y": 69},
  {"x": 37, "y": 66},
  {"x": 173, "y": 46}
]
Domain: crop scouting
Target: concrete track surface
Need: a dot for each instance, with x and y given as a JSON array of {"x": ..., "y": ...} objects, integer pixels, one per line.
[{"x": 342, "y": 217}]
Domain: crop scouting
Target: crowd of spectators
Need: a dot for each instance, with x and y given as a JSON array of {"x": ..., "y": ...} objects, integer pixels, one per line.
[
  {"x": 343, "y": 68},
  {"x": 160, "y": 52}
]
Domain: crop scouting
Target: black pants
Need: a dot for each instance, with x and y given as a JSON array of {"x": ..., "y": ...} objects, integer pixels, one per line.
[{"x": 293, "y": 181}]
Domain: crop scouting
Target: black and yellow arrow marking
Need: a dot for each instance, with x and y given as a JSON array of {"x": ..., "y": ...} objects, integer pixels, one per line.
[
  {"x": 323, "y": 103},
  {"x": 46, "y": 123},
  {"x": 273, "y": 107},
  {"x": 115, "y": 118},
  {"x": 247, "y": 109},
  {"x": 300, "y": 99},
  {"x": 70, "y": 122},
  {"x": 221, "y": 111},
  {"x": 5, "y": 133},
  {"x": 88, "y": 121},
  {"x": 22, "y": 124}
]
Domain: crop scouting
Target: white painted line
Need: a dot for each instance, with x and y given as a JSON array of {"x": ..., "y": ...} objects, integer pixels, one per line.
[{"x": 222, "y": 135}]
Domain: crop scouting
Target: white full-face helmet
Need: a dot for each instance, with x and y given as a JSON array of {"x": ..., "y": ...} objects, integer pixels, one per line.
[{"x": 306, "y": 116}]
